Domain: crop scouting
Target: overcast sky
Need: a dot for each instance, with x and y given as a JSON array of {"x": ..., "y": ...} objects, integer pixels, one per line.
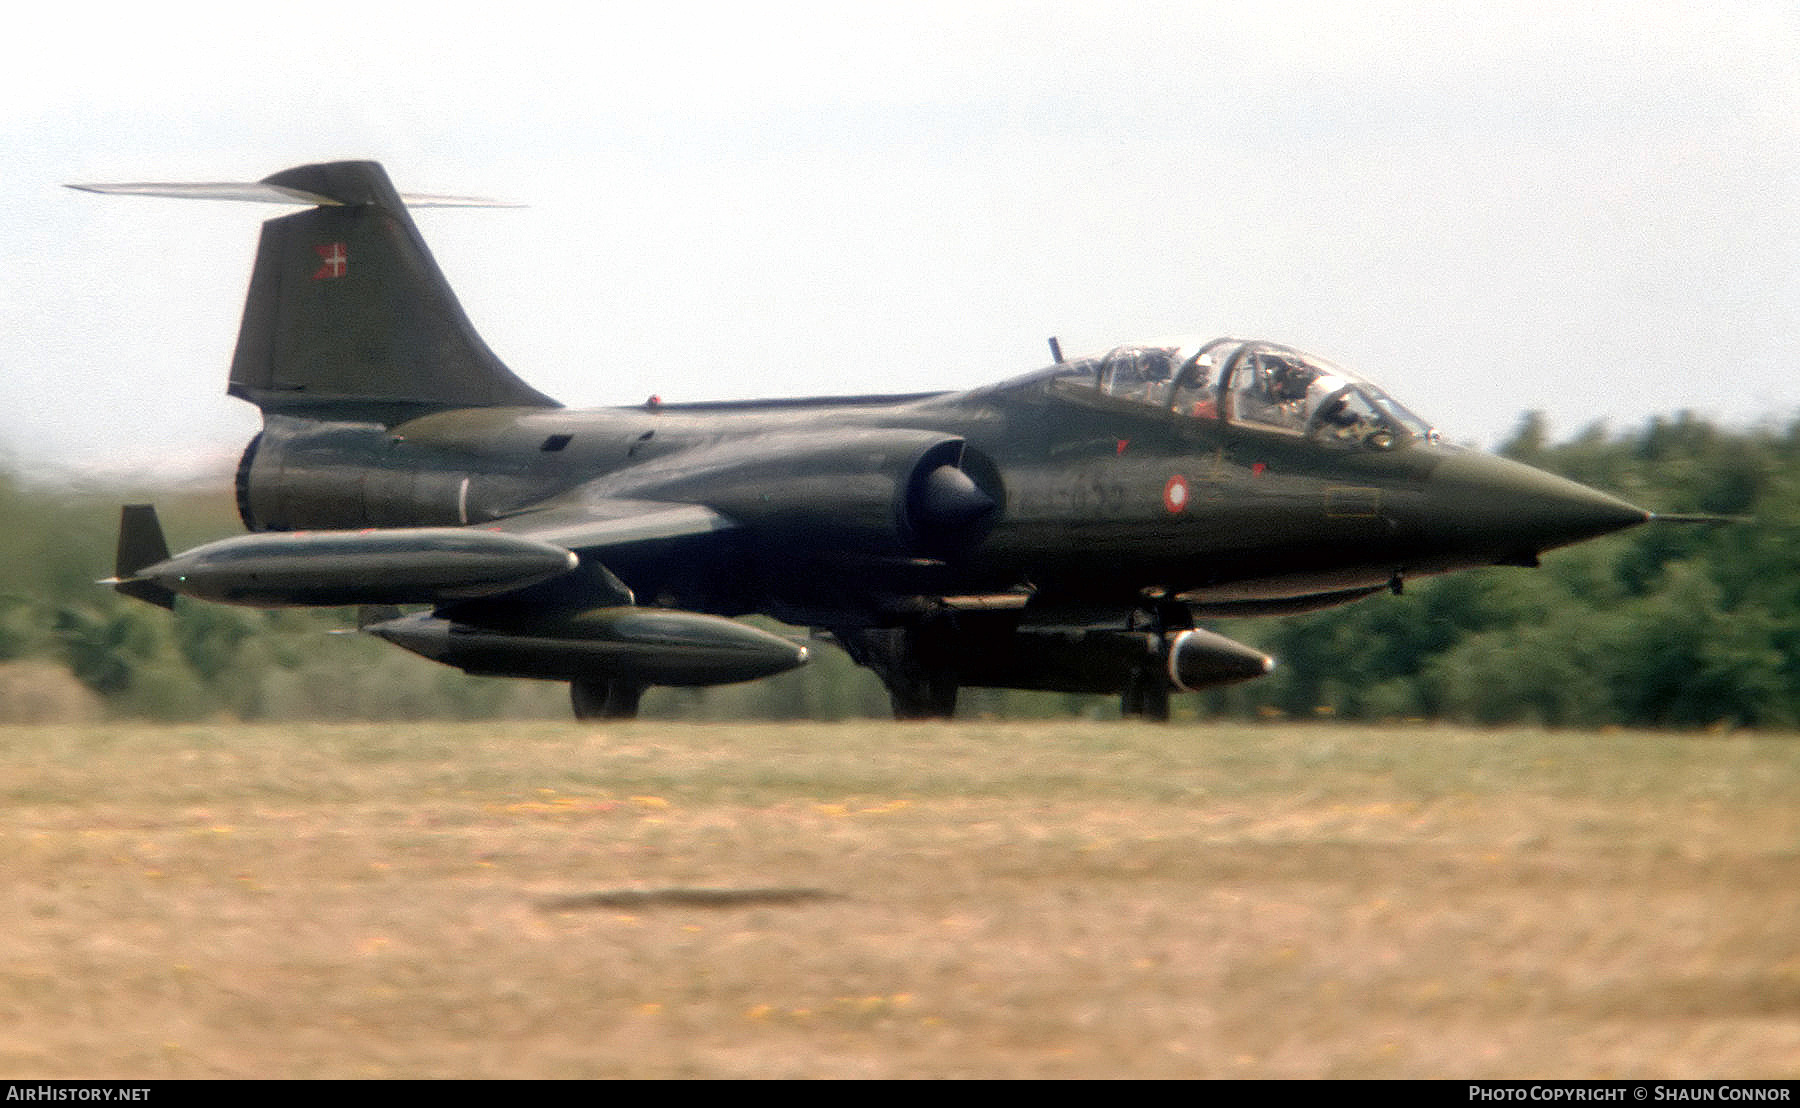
[{"x": 1590, "y": 209}]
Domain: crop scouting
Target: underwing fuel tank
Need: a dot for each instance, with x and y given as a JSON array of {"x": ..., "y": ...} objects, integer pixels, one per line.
[
  {"x": 419, "y": 565},
  {"x": 648, "y": 646},
  {"x": 1107, "y": 660}
]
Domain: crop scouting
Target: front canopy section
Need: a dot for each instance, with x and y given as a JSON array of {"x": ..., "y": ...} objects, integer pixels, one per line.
[{"x": 1256, "y": 385}]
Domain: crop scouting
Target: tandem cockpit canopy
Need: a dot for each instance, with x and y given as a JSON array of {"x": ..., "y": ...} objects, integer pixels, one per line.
[{"x": 1256, "y": 385}]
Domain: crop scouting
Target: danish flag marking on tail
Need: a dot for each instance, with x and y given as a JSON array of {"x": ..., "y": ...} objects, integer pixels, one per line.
[{"x": 336, "y": 258}]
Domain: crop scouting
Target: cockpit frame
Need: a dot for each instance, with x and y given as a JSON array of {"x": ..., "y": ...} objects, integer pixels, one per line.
[{"x": 1252, "y": 385}]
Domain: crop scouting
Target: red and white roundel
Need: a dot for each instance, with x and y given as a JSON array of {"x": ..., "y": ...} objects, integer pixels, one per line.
[{"x": 1175, "y": 493}]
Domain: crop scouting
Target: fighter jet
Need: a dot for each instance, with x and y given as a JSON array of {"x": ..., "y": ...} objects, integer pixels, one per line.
[{"x": 1065, "y": 529}]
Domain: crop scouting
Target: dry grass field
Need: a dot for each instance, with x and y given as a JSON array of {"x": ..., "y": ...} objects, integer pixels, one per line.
[{"x": 858, "y": 900}]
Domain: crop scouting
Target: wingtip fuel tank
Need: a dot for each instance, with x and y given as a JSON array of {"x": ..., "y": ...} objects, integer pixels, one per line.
[{"x": 415, "y": 565}]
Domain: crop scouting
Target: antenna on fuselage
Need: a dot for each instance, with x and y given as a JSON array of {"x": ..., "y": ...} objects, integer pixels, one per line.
[{"x": 1055, "y": 350}]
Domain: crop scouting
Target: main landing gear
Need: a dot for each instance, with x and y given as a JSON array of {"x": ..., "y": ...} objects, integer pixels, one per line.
[
  {"x": 916, "y": 664},
  {"x": 605, "y": 698}
]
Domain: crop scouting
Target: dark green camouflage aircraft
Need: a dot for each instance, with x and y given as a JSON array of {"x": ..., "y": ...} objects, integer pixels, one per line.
[{"x": 1061, "y": 530}]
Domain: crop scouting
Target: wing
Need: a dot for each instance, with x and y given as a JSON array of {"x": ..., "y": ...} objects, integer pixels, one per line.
[{"x": 587, "y": 627}]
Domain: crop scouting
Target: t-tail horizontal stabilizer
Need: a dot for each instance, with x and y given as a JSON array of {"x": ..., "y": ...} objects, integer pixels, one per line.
[
  {"x": 264, "y": 192},
  {"x": 348, "y": 316}
]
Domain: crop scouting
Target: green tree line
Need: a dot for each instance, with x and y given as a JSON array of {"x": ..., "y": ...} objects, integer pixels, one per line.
[{"x": 1669, "y": 625}]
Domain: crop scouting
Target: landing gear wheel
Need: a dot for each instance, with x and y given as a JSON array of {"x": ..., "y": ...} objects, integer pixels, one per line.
[
  {"x": 923, "y": 695},
  {"x": 605, "y": 698},
  {"x": 1147, "y": 697},
  {"x": 915, "y": 662}
]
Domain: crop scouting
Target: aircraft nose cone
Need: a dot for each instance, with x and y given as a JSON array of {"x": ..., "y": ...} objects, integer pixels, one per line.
[{"x": 1482, "y": 501}]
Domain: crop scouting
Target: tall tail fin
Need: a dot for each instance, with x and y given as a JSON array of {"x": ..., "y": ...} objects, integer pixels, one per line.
[{"x": 348, "y": 314}]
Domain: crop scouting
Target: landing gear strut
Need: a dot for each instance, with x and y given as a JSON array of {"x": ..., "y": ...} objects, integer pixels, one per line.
[{"x": 605, "y": 698}]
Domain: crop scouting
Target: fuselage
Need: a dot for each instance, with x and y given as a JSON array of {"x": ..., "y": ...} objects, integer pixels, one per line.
[{"x": 1099, "y": 498}]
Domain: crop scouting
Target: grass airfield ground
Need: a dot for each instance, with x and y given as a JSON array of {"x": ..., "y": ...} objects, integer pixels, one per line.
[{"x": 881, "y": 900}]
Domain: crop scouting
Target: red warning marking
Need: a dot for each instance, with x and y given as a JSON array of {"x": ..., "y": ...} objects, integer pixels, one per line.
[
  {"x": 337, "y": 261},
  {"x": 1257, "y": 469},
  {"x": 1123, "y": 443},
  {"x": 1175, "y": 493}
]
